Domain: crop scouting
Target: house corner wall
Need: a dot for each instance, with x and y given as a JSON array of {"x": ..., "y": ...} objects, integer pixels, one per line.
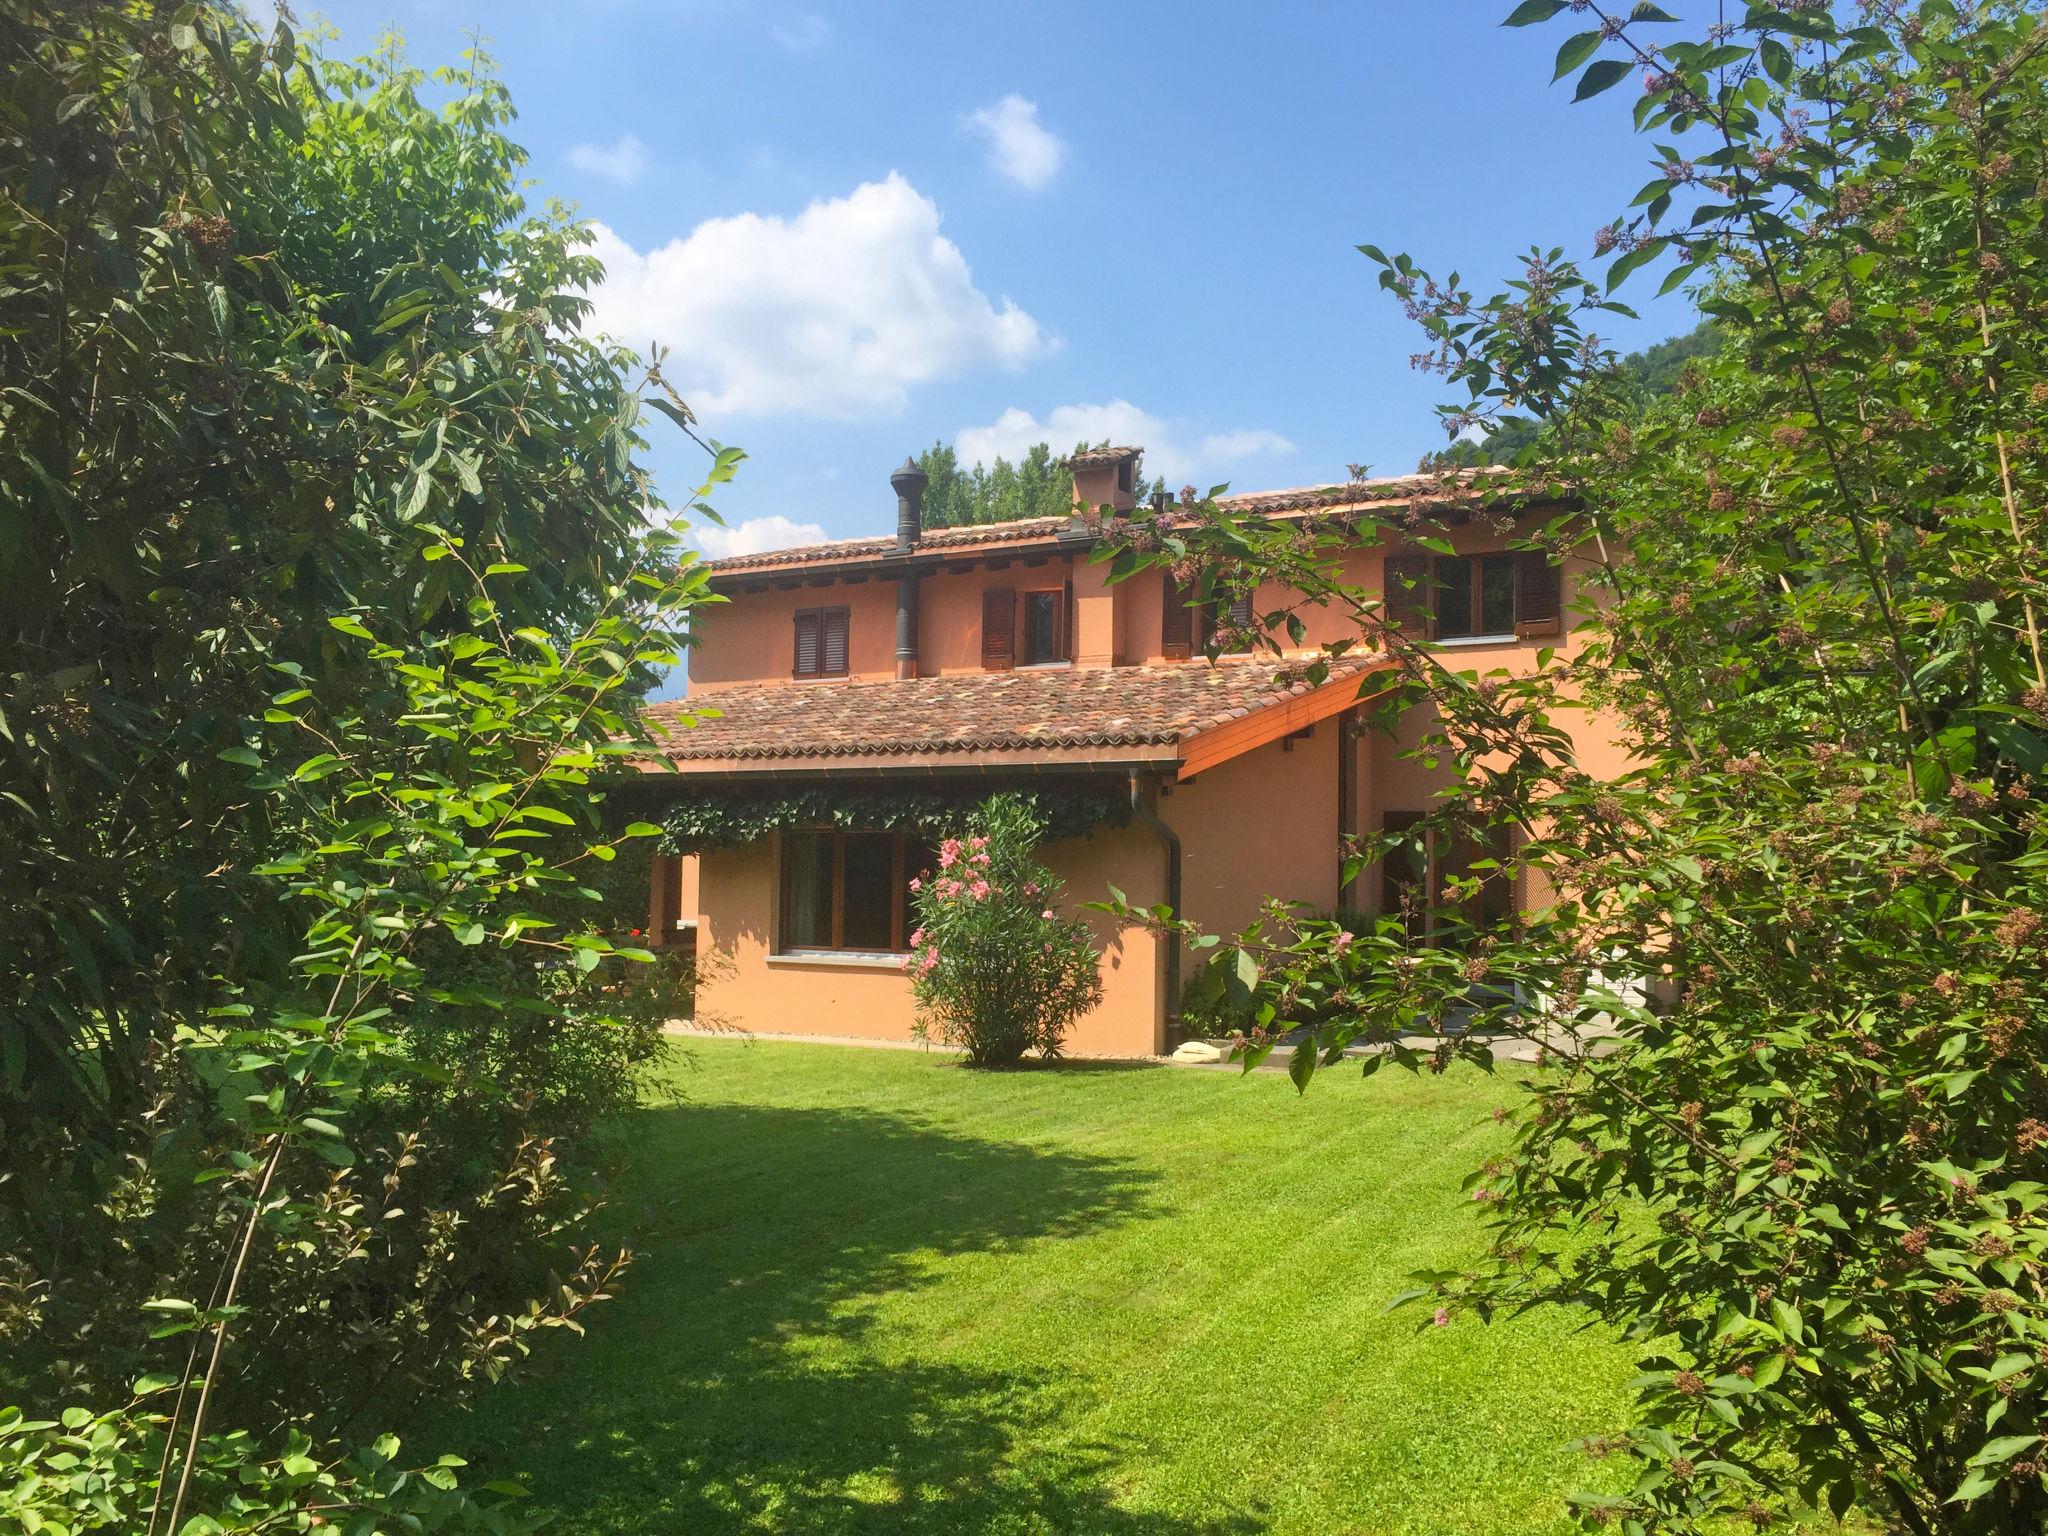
[{"x": 745, "y": 986}]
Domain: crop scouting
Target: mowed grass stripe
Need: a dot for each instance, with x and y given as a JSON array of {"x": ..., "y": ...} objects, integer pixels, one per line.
[{"x": 879, "y": 1292}]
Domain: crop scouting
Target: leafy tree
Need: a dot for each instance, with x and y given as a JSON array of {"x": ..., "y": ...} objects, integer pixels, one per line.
[
  {"x": 267, "y": 314},
  {"x": 328, "y": 592},
  {"x": 1037, "y": 485},
  {"x": 1646, "y": 377},
  {"x": 1789, "y": 985}
]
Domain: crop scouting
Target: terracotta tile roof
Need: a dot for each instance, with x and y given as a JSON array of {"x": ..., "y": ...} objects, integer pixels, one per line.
[
  {"x": 1399, "y": 490},
  {"x": 855, "y": 549},
  {"x": 1040, "y": 710},
  {"x": 1089, "y": 456}
]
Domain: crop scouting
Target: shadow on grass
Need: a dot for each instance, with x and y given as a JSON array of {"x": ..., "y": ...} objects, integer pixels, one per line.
[{"x": 742, "y": 1380}]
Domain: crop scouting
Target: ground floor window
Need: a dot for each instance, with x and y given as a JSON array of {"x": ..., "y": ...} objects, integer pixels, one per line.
[
  {"x": 1426, "y": 880},
  {"x": 848, "y": 890}
]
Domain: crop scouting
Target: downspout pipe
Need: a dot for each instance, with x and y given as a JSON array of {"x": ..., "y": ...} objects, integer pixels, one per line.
[{"x": 1142, "y": 812}]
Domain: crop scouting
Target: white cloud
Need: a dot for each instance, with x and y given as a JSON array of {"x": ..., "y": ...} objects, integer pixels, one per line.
[
  {"x": 802, "y": 31},
  {"x": 1168, "y": 448},
  {"x": 752, "y": 536},
  {"x": 1019, "y": 146},
  {"x": 836, "y": 312},
  {"x": 624, "y": 162},
  {"x": 1236, "y": 447}
]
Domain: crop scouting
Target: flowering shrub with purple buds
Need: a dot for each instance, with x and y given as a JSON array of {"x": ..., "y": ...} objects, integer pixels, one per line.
[
  {"x": 1787, "y": 970},
  {"x": 995, "y": 968}
]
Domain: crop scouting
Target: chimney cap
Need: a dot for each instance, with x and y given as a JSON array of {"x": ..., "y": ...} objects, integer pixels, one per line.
[
  {"x": 908, "y": 476},
  {"x": 1088, "y": 457}
]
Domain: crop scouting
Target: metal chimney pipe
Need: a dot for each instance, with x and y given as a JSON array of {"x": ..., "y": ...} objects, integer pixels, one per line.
[{"x": 908, "y": 482}]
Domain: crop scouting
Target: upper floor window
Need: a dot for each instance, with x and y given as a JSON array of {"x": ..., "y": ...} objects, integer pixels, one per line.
[
  {"x": 820, "y": 642},
  {"x": 1045, "y": 622},
  {"x": 1470, "y": 597},
  {"x": 1043, "y": 627},
  {"x": 1185, "y": 623}
]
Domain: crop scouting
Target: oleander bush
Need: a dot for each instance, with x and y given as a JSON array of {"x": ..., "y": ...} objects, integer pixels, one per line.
[{"x": 995, "y": 967}]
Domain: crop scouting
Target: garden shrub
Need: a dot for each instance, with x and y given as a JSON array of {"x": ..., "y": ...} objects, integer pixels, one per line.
[
  {"x": 1811, "y": 1184},
  {"x": 995, "y": 968}
]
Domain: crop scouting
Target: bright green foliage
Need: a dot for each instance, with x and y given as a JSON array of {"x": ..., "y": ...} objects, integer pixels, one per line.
[
  {"x": 267, "y": 316},
  {"x": 1037, "y": 485},
  {"x": 330, "y": 597},
  {"x": 1796, "y": 1141},
  {"x": 996, "y": 969},
  {"x": 90, "y": 1474},
  {"x": 707, "y": 819},
  {"x": 1647, "y": 376},
  {"x": 878, "y": 1295},
  {"x": 437, "y": 833}
]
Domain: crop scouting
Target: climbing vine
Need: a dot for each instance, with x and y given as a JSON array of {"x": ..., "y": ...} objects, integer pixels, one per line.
[{"x": 729, "y": 816}]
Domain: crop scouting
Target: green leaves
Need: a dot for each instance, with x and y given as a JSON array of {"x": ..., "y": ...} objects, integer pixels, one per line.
[
  {"x": 1573, "y": 52},
  {"x": 1601, "y": 76},
  {"x": 1529, "y": 12}
]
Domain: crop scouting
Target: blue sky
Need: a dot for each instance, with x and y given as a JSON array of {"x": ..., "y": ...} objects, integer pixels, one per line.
[{"x": 863, "y": 229}]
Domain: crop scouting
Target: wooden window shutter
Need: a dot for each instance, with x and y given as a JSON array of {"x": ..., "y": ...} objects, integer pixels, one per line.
[
  {"x": 998, "y": 629},
  {"x": 1539, "y": 605},
  {"x": 807, "y": 647},
  {"x": 1406, "y": 592},
  {"x": 833, "y": 642},
  {"x": 1176, "y": 621},
  {"x": 1067, "y": 618}
]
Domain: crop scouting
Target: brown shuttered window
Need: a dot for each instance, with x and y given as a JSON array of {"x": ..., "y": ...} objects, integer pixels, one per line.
[
  {"x": 1176, "y": 620},
  {"x": 1406, "y": 589},
  {"x": 998, "y": 629},
  {"x": 820, "y": 642},
  {"x": 1539, "y": 596},
  {"x": 1067, "y": 625}
]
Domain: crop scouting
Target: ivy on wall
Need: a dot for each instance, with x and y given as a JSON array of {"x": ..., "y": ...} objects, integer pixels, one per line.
[{"x": 731, "y": 816}]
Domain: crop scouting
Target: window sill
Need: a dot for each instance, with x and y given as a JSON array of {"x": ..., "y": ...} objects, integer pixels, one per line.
[
  {"x": 1042, "y": 666},
  {"x": 1459, "y": 642},
  {"x": 854, "y": 959}
]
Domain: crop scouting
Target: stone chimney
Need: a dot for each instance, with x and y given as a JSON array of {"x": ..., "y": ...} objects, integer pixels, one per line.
[
  {"x": 1105, "y": 477},
  {"x": 908, "y": 483}
]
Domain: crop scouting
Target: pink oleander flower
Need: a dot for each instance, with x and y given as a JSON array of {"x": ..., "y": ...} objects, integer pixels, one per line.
[
  {"x": 977, "y": 842},
  {"x": 978, "y": 890},
  {"x": 1030, "y": 889},
  {"x": 1046, "y": 914},
  {"x": 1443, "y": 1317},
  {"x": 949, "y": 853},
  {"x": 1343, "y": 940},
  {"x": 916, "y": 884},
  {"x": 916, "y": 938}
]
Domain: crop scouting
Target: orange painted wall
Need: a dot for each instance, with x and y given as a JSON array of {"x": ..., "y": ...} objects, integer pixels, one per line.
[
  {"x": 751, "y": 988},
  {"x": 750, "y": 639},
  {"x": 1260, "y": 825}
]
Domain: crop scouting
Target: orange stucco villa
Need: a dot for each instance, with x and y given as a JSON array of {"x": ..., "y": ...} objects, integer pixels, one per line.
[{"x": 1000, "y": 655}]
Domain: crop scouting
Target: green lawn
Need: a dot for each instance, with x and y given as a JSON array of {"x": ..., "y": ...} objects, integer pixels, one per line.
[{"x": 878, "y": 1292}]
